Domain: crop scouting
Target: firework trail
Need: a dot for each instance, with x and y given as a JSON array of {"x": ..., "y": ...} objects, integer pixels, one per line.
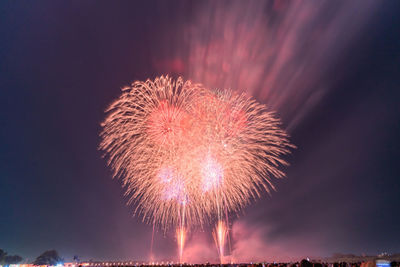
[
  {"x": 187, "y": 154},
  {"x": 181, "y": 236},
  {"x": 219, "y": 234}
]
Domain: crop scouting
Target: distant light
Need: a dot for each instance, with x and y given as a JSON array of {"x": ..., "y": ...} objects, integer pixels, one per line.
[{"x": 382, "y": 263}]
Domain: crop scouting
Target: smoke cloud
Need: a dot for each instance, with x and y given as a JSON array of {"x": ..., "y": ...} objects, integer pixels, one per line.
[
  {"x": 249, "y": 242},
  {"x": 281, "y": 52}
]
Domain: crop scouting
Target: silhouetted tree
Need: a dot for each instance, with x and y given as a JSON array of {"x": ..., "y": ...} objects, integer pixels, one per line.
[
  {"x": 49, "y": 257},
  {"x": 12, "y": 259},
  {"x": 305, "y": 263},
  {"x": 2, "y": 255},
  {"x": 8, "y": 259}
]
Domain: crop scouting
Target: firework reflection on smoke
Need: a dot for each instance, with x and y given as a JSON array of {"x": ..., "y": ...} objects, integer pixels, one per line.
[
  {"x": 187, "y": 154},
  {"x": 281, "y": 52}
]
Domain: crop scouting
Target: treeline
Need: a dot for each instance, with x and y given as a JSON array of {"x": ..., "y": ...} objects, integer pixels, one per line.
[
  {"x": 49, "y": 257},
  {"x": 6, "y": 259}
]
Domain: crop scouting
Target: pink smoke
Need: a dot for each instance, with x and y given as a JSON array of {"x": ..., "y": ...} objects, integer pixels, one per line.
[
  {"x": 281, "y": 52},
  {"x": 200, "y": 249},
  {"x": 249, "y": 243}
]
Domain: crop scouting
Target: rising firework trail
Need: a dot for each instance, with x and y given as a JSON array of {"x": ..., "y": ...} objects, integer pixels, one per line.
[
  {"x": 181, "y": 232},
  {"x": 187, "y": 154},
  {"x": 219, "y": 234}
]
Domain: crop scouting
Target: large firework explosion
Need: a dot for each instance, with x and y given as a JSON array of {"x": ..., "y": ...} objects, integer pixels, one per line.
[{"x": 187, "y": 154}]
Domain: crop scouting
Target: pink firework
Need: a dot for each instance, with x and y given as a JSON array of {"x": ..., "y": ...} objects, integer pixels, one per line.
[{"x": 186, "y": 153}]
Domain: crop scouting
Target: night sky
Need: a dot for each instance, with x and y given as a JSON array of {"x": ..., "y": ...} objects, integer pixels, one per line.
[{"x": 330, "y": 70}]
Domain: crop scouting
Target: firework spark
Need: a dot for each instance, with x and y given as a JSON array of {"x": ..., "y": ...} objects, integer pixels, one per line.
[{"x": 186, "y": 153}]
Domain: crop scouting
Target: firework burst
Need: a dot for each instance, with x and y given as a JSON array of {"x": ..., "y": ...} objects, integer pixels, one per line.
[{"x": 184, "y": 151}]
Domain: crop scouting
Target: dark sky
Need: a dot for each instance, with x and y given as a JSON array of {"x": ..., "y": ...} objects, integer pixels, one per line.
[{"x": 330, "y": 69}]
